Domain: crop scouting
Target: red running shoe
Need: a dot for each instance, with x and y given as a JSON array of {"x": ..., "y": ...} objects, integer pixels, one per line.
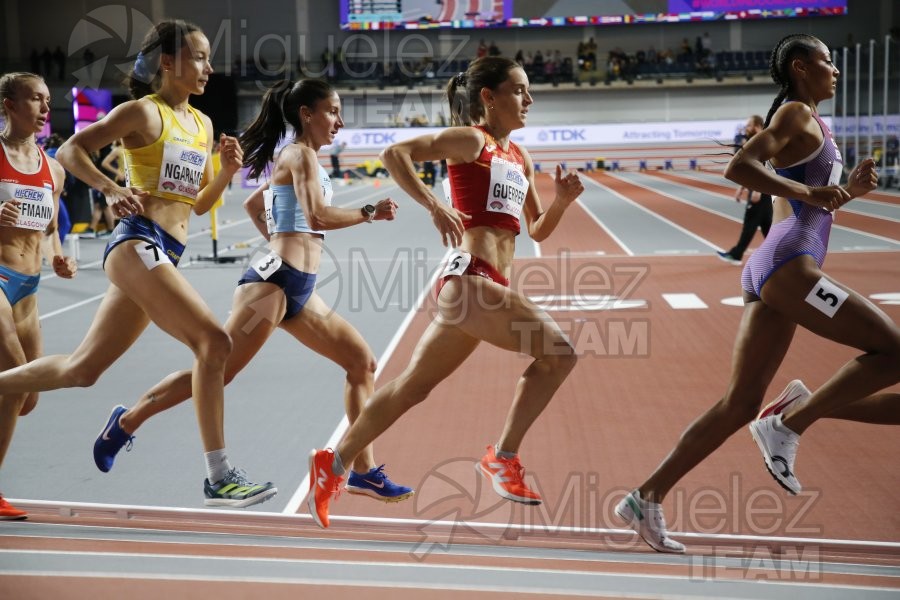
[
  {"x": 507, "y": 477},
  {"x": 323, "y": 484},
  {"x": 8, "y": 512}
]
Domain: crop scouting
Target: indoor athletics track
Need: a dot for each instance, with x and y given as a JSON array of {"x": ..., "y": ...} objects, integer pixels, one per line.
[{"x": 631, "y": 275}]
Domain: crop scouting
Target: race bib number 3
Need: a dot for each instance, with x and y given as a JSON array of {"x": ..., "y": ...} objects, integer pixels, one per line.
[
  {"x": 827, "y": 297},
  {"x": 457, "y": 263},
  {"x": 508, "y": 188},
  {"x": 265, "y": 263},
  {"x": 151, "y": 255},
  {"x": 181, "y": 170}
]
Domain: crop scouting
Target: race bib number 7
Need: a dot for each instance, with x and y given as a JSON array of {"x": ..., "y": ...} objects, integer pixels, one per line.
[{"x": 151, "y": 255}]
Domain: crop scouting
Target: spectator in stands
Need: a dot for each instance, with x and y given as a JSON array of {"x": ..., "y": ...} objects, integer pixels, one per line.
[
  {"x": 335, "y": 154},
  {"x": 685, "y": 52},
  {"x": 482, "y": 49},
  {"x": 538, "y": 64},
  {"x": 590, "y": 50},
  {"x": 59, "y": 57},
  {"x": 493, "y": 50}
]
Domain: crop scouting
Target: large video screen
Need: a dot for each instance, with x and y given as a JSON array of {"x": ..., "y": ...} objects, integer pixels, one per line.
[
  {"x": 472, "y": 14},
  {"x": 89, "y": 106}
]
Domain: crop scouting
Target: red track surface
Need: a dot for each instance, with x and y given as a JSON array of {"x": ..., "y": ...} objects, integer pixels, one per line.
[{"x": 621, "y": 410}]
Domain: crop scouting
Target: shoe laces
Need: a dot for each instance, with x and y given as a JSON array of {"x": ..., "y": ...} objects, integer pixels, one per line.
[
  {"x": 237, "y": 476},
  {"x": 377, "y": 473},
  {"x": 514, "y": 468}
]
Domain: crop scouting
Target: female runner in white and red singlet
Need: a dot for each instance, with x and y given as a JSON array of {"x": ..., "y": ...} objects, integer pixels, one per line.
[
  {"x": 30, "y": 185},
  {"x": 492, "y": 186}
]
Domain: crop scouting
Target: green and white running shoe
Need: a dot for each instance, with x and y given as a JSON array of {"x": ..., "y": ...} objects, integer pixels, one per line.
[{"x": 237, "y": 491}]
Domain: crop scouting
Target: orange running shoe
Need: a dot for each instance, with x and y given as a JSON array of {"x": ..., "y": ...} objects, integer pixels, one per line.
[
  {"x": 507, "y": 477},
  {"x": 8, "y": 512},
  {"x": 323, "y": 484}
]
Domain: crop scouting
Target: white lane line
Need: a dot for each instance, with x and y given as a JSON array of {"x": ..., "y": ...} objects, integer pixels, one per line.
[
  {"x": 71, "y": 307},
  {"x": 650, "y": 212},
  {"x": 684, "y": 301},
  {"x": 294, "y": 503},
  {"x": 686, "y": 201},
  {"x": 835, "y": 226},
  {"x": 600, "y": 223},
  {"x": 467, "y": 579},
  {"x": 95, "y": 263},
  {"x": 848, "y": 208},
  {"x": 131, "y": 513}
]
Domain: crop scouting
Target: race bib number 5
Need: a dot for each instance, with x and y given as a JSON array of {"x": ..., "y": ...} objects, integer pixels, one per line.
[
  {"x": 457, "y": 263},
  {"x": 827, "y": 297}
]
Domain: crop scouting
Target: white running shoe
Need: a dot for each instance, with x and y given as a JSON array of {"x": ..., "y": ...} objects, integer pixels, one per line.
[
  {"x": 794, "y": 394},
  {"x": 778, "y": 445},
  {"x": 647, "y": 519}
]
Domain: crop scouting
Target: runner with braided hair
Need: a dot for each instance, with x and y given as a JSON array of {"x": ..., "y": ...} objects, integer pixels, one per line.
[{"x": 783, "y": 287}]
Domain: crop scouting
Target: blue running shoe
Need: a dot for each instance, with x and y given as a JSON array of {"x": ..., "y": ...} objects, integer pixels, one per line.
[
  {"x": 111, "y": 440},
  {"x": 376, "y": 484}
]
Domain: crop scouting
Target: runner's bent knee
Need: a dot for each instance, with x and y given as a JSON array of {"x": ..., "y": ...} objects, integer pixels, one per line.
[
  {"x": 213, "y": 346},
  {"x": 361, "y": 367}
]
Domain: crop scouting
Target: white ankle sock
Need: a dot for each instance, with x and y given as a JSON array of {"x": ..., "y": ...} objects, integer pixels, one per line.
[{"x": 217, "y": 465}]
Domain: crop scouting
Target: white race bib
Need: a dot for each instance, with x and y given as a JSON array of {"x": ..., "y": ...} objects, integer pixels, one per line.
[
  {"x": 456, "y": 264},
  {"x": 265, "y": 263},
  {"x": 151, "y": 255},
  {"x": 268, "y": 200},
  {"x": 327, "y": 189},
  {"x": 833, "y": 179},
  {"x": 181, "y": 170},
  {"x": 445, "y": 184},
  {"x": 508, "y": 188},
  {"x": 836, "y": 170},
  {"x": 827, "y": 297},
  {"x": 35, "y": 204}
]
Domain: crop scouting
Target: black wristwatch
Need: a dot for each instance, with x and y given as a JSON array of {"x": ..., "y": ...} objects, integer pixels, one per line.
[{"x": 368, "y": 211}]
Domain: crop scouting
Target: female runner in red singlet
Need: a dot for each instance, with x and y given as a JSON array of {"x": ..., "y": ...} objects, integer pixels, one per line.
[{"x": 492, "y": 181}]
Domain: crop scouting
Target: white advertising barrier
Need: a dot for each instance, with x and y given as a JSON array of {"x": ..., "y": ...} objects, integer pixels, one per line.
[
  {"x": 595, "y": 136},
  {"x": 568, "y": 135},
  {"x": 877, "y": 126},
  {"x": 558, "y": 136}
]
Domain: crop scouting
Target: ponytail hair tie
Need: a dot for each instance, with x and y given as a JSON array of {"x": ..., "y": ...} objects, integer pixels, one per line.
[
  {"x": 461, "y": 79},
  {"x": 141, "y": 68}
]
